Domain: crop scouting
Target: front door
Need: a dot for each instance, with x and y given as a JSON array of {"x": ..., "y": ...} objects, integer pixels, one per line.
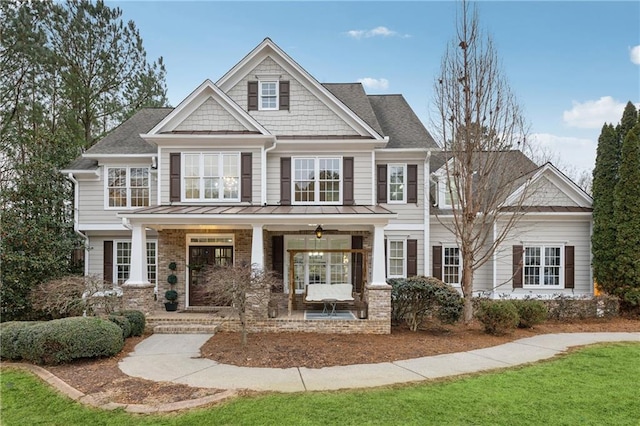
[{"x": 200, "y": 256}]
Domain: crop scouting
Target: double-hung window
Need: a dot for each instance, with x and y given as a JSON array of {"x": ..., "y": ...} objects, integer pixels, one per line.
[
  {"x": 128, "y": 186},
  {"x": 122, "y": 264},
  {"x": 543, "y": 266},
  {"x": 451, "y": 264},
  {"x": 396, "y": 258},
  {"x": 397, "y": 183},
  {"x": 317, "y": 180},
  {"x": 268, "y": 95},
  {"x": 211, "y": 176}
]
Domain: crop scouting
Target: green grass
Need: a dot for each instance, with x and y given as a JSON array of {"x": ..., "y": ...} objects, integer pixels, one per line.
[{"x": 594, "y": 386}]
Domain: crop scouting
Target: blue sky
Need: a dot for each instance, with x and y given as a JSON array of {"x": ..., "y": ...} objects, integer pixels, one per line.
[{"x": 573, "y": 65}]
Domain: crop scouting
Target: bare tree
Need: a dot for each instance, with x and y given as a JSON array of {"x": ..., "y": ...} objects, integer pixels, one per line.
[
  {"x": 245, "y": 289},
  {"x": 480, "y": 124}
]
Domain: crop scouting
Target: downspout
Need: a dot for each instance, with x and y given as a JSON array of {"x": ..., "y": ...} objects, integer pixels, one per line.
[
  {"x": 263, "y": 171},
  {"x": 427, "y": 216},
  {"x": 76, "y": 220}
]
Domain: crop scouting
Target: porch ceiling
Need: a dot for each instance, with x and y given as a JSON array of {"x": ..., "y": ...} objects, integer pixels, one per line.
[{"x": 254, "y": 215}]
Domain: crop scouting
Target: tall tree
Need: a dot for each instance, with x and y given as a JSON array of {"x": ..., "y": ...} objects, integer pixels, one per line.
[
  {"x": 605, "y": 177},
  {"x": 627, "y": 218},
  {"x": 44, "y": 96},
  {"x": 479, "y": 120}
]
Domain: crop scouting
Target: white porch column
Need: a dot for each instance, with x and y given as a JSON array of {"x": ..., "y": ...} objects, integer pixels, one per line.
[
  {"x": 378, "y": 276},
  {"x": 138, "y": 276},
  {"x": 257, "y": 248}
]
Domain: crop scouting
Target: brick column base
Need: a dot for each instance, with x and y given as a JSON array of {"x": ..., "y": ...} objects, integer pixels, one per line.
[
  {"x": 379, "y": 299},
  {"x": 139, "y": 298}
]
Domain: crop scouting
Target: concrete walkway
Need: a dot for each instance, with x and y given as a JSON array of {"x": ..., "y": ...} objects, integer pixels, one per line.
[{"x": 175, "y": 358}]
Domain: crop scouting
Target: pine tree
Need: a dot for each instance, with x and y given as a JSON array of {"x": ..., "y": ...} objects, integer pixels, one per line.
[
  {"x": 627, "y": 218},
  {"x": 604, "y": 230}
]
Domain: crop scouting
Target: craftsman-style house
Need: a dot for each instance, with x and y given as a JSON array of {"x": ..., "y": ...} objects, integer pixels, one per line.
[{"x": 319, "y": 182}]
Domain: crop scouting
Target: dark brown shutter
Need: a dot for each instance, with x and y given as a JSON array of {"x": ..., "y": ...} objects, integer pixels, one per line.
[
  {"x": 283, "y": 94},
  {"x": 246, "y": 174},
  {"x": 436, "y": 262},
  {"x": 277, "y": 254},
  {"x": 412, "y": 258},
  {"x": 356, "y": 260},
  {"x": 285, "y": 181},
  {"x": 382, "y": 183},
  {"x": 386, "y": 261},
  {"x": 517, "y": 266},
  {"x": 252, "y": 95},
  {"x": 412, "y": 183},
  {"x": 347, "y": 181},
  {"x": 569, "y": 267},
  {"x": 174, "y": 176},
  {"x": 107, "y": 263}
]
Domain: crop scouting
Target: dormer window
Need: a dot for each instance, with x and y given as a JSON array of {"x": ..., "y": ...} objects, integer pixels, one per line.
[{"x": 268, "y": 95}]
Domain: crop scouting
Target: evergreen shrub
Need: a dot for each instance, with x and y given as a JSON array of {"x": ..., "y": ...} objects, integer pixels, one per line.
[
  {"x": 531, "y": 312},
  {"x": 122, "y": 322},
  {"x": 138, "y": 321},
  {"x": 498, "y": 316}
]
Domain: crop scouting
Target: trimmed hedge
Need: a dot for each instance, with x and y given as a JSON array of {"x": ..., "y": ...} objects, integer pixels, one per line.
[
  {"x": 62, "y": 340},
  {"x": 137, "y": 319},
  {"x": 531, "y": 312},
  {"x": 11, "y": 333},
  {"x": 123, "y": 323},
  {"x": 498, "y": 316}
]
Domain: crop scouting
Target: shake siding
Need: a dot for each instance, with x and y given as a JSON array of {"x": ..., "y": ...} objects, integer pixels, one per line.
[
  {"x": 210, "y": 116},
  {"x": 361, "y": 174},
  {"x": 573, "y": 232},
  {"x": 307, "y": 114},
  {"x": 545, "y": 193}
]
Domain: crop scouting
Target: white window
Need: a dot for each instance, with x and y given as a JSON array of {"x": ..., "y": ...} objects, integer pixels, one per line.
[
  {"x": 268, "y": 95},
  {"x": 397, "y": 183},
  {"x": 127, "y": 187},
  {"x": 211, "y": 176},
  {"x": 396, "y": 258},
  {"x": 447, "y": 192},
  {"x": 451, "y": 263},
  {"x": 317, "y": 180},
  {"x": 318, "y": 266},
  {"x": 542, "y": 266},
  {"x": 122, "y": 264}
]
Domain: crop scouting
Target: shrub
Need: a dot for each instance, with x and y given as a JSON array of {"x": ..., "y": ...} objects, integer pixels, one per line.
[
  {"x": 10, "y": 334},
  {"x": 123, "y": 323},
  {"x": 498, "y": 316},
  {"x": 171, "y": 295},
  {"x": 531, "y": 312},
  {"x": 62, "y": 340},
  {"x": 416, "y": 298},
  {"x": 138, "y": 321}
]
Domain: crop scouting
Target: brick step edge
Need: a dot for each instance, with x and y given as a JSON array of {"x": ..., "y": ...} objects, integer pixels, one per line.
[{"x": 186, "y": 328}]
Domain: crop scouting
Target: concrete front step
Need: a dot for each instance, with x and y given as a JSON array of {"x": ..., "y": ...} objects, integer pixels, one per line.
[{"x": 175, "y": 328}]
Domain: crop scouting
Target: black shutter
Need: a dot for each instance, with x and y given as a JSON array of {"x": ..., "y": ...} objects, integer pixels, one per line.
[
  {"x": 107, "y": 263},
  {"x": 252, "y": 96},
  {"x": 517, "y": 266},
  {"x": 436, "y": 262},
  {"x": 283, "y": 94},
  {"x": 412, "y": 258},
  {"x": 569, "y": 267},
  {"x": 246, "y": 175},
  {"x": 174, "y": 176},
  {"x": 382, "y": 183},
  {"x": 356, "y": 260},
  {"x": 347, "y": 181},
  {"x": 412, "y": 183},
  {"x": 277, "y": 254},
  {"x": 285, "y": 181}
]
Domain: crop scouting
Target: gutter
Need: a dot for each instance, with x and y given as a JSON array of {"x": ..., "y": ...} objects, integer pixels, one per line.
[{"x": 76, "y": 191}]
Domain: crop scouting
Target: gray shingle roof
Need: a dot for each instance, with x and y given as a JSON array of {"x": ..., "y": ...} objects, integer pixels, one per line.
[
  {"x": 400, "y": 123},
  {"x": 82, "y": 163},
  {"x": 354, "y": 97},
  {"x": 125, "y": 139}
]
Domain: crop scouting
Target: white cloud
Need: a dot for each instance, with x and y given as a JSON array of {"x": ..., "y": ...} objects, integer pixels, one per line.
[
  {"x": 594, "y": 114},
  {"x": 634, "y": 54},
  {"x": 565, "y": 152},
  {"x": 374, "y": 32},
  {"x": 374, "y": 83}
]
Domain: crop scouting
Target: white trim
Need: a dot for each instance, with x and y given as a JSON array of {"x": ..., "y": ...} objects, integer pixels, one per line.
[
  {"x": 452, "y": 246},
  {"x": 404, "y": 183},
  {"x": 426, "y": 216},
  {"x": 405, "y": 227},
  {"x": 316, "y": 194},
  {"x": 541, "y": 267},
  {"x": 114, "y": 271},
  {"x": 391, "y": 239},
  {"x": 102, "y": 227},
  {"x": 276, "y": 107},
  {"x": 201, "y": 189},
  {"x": 127, "y": 187}
]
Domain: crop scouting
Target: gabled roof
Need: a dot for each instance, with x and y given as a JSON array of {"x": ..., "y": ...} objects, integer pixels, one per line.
[
  {"x": 125, "y": 139},
  {"x": 267, "y": 48},
  {"x": 354, "y": 96},
  {"x": 400, "y": 123}
]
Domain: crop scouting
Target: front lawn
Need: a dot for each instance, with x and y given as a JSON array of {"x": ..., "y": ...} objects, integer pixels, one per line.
[{"x": 597, "y": 385}]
